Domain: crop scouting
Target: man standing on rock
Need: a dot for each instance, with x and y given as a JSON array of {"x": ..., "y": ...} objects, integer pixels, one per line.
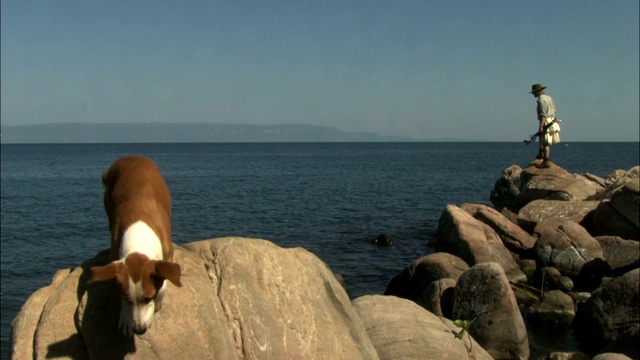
[{"x": 548, "y": 128}]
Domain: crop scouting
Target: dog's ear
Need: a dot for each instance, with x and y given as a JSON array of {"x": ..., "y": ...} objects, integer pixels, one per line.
[
  {"x": 168, "y": 270},
  {"x": 105, "y": 273}
]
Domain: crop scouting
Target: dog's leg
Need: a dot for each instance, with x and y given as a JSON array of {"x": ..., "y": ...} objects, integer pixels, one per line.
[
  {"x": 160, "y": 296},
  {"x": 126, "y": 319}
]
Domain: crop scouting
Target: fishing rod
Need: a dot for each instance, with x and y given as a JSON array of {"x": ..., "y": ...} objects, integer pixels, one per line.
[{"x": 544, "y": 129}]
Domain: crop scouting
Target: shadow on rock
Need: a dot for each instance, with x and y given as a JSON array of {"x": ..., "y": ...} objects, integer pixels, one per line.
[{"x": 98, "y": 314}]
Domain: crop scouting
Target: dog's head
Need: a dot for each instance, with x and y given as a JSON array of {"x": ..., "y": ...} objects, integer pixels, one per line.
[{"x": 139, "y": 281}]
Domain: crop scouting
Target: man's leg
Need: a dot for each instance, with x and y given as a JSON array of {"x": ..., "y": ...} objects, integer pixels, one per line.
[{"x": 547, "y": 152}]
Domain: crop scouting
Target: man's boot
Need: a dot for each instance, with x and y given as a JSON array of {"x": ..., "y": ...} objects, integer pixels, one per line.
[{"x": 545, "y": 164}]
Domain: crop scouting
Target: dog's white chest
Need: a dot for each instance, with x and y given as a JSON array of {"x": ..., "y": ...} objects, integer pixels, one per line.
[{"x": 139, "y": 237}]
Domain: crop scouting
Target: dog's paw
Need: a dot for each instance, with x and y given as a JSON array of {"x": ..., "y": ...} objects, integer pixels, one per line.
[
  {"x": 125, "y": 325},
  {"x": 126, "y": 330},
  {"x": 157, "y": 306}
]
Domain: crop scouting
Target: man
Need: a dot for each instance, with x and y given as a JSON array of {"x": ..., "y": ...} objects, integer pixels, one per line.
[{"x": 546, "y": 114}]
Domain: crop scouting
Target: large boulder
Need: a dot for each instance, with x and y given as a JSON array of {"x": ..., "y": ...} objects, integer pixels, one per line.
[
  {"x": 400, "y": 329},
  {"x": 484, "y": 297},
  {"x": 512, "y": 236},
  {"x": 506, "y": 191},
  {"x": 413, "y": 280},
  {"x": 518, "y": 187},
  {"x": 606, "y": 220},
  {"x": 567, "y": 247},
  {"x": 617, "y": 180},
  {"x": 619, "y": 214},
  {"x": 621, "y": 255},
  {"x": 240, "y": 299},
  {"x": 555, "y": 212},
  {"x": 612, "y": 310},
  {"x": 475, "y": 242}
]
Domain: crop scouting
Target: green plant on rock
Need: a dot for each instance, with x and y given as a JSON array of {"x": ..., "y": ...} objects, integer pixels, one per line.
[{"x": 465, "y": 325}]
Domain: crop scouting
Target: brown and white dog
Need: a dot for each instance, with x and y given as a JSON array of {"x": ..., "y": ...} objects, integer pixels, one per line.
[{"x": 138, "y": 204}]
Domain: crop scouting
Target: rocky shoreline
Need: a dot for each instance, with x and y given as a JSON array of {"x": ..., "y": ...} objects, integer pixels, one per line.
[{"x": 556, "y": 249}]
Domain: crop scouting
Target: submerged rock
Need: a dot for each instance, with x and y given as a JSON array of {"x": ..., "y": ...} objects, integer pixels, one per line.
[{"x": 383, "y": 240}]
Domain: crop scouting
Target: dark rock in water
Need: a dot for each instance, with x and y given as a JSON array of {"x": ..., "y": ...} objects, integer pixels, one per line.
[{"x": 383, "y": 240}]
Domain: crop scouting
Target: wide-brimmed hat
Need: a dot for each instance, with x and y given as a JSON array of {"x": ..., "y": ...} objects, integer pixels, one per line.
[{"x": 537, "y": 87}]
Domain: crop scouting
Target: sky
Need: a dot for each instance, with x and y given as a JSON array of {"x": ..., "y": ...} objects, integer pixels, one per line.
[{"x": 432, "y": 69}]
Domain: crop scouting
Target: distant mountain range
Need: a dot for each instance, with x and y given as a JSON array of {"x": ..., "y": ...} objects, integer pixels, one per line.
[{"x": 175, "y": 132}]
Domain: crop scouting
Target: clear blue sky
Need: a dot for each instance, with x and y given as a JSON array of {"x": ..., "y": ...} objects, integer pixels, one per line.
[{"x": 425, "y": 69}]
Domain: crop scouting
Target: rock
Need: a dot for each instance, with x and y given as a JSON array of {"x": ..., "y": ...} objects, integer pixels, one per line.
[
  {"x": 340, "y": 280},
  {"x": 518, "y": 187},
  {"x": 626, "y": 343},
  {"x": 610, "y": 311},
  {"x": 567, "y": 247},
  {"x": 26, "y": 323},
  {"x": 283, "y": 302},
  {"x": 438, "y": 297},
  {"x": 193, "y": 306},
  {"x": 483, "y": 294},
  {"x": 548, "y": 278},
  {"x": 626, "y": 201},
  {"x": 400, "y": 329},
  {"x": 620, "y": 215},
  {"x": 506, "y": 191},
  {"x": 556, "y": 183},
  {"x": 557, "y": 355},
  {"x": 528, "y": 266},
  {"x": 512, "y": 236},
  {"x": 474, "y": 242},
  {"x": 565, "y": 283},
  {"x": 383, "y": 240},
  {"x": 554, "y": 310},
  {"x": 611, "y": 356},
  {"x": 240, "y": 299},
  {"x": 621, "y": 255},
  {"x": 555, "y": 212},
  {"x": 613, "y": 176},
  {"x": 617, "y": 180},
  {"x": 606, "y": 220},
  {"x": 413, "y": 280}
]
